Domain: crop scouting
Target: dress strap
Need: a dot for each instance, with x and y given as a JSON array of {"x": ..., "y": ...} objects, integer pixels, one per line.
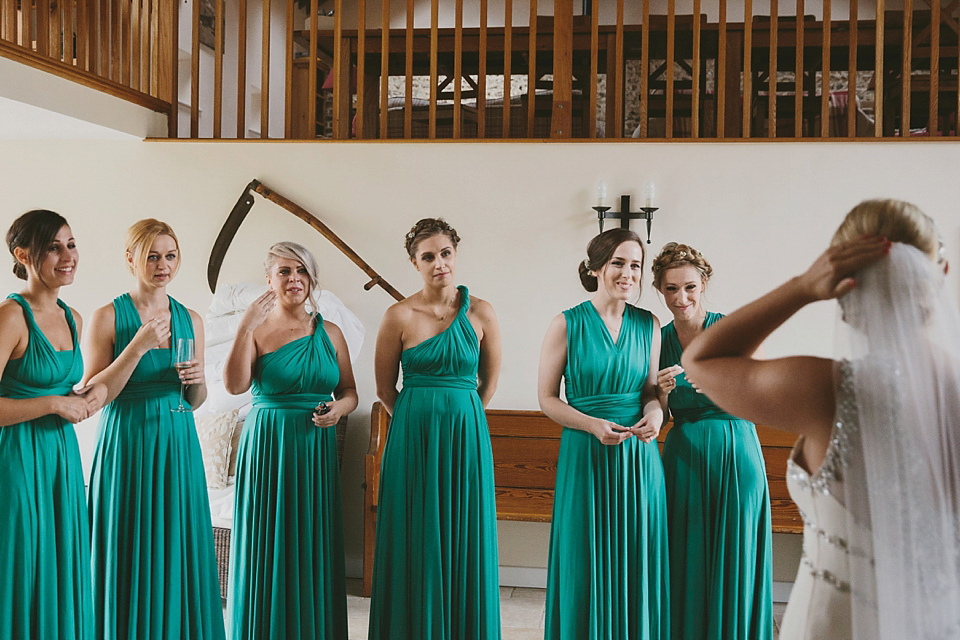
[{"x": 33, "y": 327}]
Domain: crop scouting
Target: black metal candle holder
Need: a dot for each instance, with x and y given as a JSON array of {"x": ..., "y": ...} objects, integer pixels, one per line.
[{"x": 625, "y": 215}]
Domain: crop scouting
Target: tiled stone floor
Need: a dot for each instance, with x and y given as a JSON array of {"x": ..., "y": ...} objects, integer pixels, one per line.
[{"x": 521, "y": 612}]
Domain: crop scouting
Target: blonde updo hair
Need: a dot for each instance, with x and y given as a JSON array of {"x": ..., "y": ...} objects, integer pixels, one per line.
[
  {"x": 600, "y": 251},
  {"x": 427, "y": 228},
  {"x": 293, "y": 251},
  {"x": 675, "y": 255},
  {"x": 140, "y": 239},
  {"x": 895, "y": 220}
]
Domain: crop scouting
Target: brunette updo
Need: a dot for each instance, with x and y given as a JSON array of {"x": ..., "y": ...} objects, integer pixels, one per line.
[
  {"x": 679, "y": 255},
  {"x": 33, "y": 232},
  {"x": 601, "y": 250},
  {"x": 427, "y": 228}
]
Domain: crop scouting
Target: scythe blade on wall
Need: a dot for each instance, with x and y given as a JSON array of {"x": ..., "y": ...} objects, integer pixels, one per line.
[{"x": 242, "y": 208}]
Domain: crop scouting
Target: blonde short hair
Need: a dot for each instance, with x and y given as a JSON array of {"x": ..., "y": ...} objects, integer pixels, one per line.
[
  {"x": 293, "y": 251},
  {"x": 895, "y": 220},
  {"x": 140, "y": 238}
]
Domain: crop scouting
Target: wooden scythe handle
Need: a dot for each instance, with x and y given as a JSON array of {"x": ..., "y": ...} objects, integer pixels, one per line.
[{"x": 309, "y": 218}]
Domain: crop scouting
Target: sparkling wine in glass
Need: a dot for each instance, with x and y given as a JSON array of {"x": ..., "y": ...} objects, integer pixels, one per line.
[{"x": 185, "y": 353}]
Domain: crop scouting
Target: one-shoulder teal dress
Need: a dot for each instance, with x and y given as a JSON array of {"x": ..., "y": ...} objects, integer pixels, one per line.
[
  {"x": 608, "y": 567},
  {"x": 286, "y": 560},
  {"x": 721, "y": 574},
  {"x": 44, "y": 539},
  {"x": 435, "y": 570},
  {"x": 154, "y": 565}
]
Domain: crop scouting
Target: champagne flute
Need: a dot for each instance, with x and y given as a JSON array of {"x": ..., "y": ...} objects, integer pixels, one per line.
[{"x": 185, "y": 353}]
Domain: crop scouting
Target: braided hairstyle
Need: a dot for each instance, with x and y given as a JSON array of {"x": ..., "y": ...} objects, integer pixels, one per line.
[
  {"x": 679, "y": 255},
  {"x": 427, "y": 228}
]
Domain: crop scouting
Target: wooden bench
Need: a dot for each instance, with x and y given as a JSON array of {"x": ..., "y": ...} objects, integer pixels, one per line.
[{"x": 525, "y": 447}]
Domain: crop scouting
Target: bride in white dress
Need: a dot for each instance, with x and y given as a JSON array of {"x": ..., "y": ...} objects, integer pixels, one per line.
[{"x": 876, "y": 470}]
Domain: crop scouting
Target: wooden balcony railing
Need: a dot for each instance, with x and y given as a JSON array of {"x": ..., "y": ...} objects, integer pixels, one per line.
[
  {"x": 123, "y": 47},
  {"x": 584, "y": 69}
]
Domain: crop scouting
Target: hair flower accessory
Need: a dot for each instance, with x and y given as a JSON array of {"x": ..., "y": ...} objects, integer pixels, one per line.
[
  {"x": 586, "y": 263},
  {"x": 681, "y": 255}
]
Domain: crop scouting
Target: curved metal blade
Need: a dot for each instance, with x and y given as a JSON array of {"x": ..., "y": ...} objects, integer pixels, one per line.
[{"x": 229, "y": 230}]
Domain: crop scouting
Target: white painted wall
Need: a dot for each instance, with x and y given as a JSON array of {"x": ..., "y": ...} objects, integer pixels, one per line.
[{"x": 759, "y": 212}]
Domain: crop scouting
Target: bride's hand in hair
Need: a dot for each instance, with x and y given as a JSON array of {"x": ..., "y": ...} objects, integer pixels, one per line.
[{"x": 831, "y": 275}]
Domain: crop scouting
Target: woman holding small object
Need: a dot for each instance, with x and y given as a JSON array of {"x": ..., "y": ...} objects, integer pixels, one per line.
[
  {"x": 287, "y": 575},
  {"x": 608, "y": 574},
  {"x": 718, "y": 503},
  {"x": 44, "y": 538},
  {"x": 154, "y": 566}
]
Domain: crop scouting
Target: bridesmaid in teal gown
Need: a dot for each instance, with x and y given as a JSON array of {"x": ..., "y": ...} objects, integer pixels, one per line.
[
  {"x": 721, "y": 574},
  {"x": 607, "y": 577},
  {"x": 44, "y": 539},
  {"x": 435, "y": 570},
  {"x": 154, "y": 566},
  {"x": 287, "y": 575}
]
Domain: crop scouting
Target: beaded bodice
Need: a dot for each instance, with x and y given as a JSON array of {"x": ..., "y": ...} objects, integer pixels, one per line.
[{"x": 820, "y": 603}]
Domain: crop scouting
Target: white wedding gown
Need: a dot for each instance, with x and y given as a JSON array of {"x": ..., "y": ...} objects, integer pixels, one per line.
[{"x": 820, "y": 602}]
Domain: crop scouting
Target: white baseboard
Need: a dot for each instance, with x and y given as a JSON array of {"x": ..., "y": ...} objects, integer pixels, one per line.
[
  {"x": 534, "y": 577},
  {"x": 781, "y": 591}
]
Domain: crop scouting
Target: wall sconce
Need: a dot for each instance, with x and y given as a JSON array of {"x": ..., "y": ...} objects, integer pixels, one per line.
[{"x": 625, "y": 215}]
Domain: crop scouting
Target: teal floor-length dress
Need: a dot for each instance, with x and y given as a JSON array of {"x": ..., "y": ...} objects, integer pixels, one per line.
[
  {"x": 721, "y": 573},
  {"x": 286, "y": 562},
  {"x": 44, "y": 539},
  {"x": 154, "y": 566},
  {"x": 435, "y": 571},
  {"x": 608, "y": 567}
]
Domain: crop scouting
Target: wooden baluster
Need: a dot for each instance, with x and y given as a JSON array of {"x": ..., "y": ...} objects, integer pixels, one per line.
[
  {"x": 195, "y": 73},
  {"x": 671, "y": 55},
  {"x": 103, "y": 41},
  {"x": 116, "y": 67},
  {"x": 288, "y": 76},
  {"x": 155, "y": 59},
  {"x": 852, "y": 72},
  {"x": 695, "y": 84},
  {"x": 532, "y": 69},
  {"x": 434, "y": 75},
  {"x": 933, "y": 124},
  {"x": 67, "y": 22},
  {"x": 507, "y": 64},
  {"x": 825, "y": 73},
  {"x": 136, "y": 19},
  {"x": 906, "y": 68},
  {"x": 720, "y": 73},
  {"x": 361, "y": 111},
  {"x": 561, "y": 117},
  {"x": 482, "y": 74},
  {"x": 83, "y": 34},
  {"x": 408, "y": 73},
  {"x": 341, "y": 76},
  {"x": 166, "y": 40},
  {"x": 265, "y": 72},
  {"x": 644, "y": 72},
  {"x": 384, "y": 68},
  {"x": 242, "y": 68},
  {"x": 124, "y": 53},
  {"x": 879, "y": 73},
  {"x": 43, "y": 26},
  {"x": 747, "y": 95},
  {"x": 457, "y": 68},
  {"x": 54, "y": 25},
  {"x": 312, "y": 72},
  {"x": 594, "y": 62},
  {"x": 218, "y": 67},
  {"x": 26, "y": 28},
  {"x": 772, "y": 79},
  {"x": 798, "y": 71}
]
